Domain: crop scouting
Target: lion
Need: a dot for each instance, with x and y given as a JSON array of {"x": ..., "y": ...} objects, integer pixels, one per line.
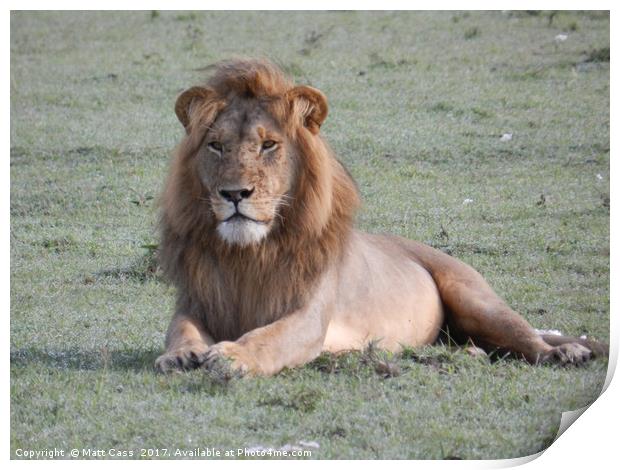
[{"x": 257, "y": 236}]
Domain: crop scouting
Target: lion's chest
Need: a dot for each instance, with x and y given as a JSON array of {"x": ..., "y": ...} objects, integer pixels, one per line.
[{"x": 238, "y": 300}]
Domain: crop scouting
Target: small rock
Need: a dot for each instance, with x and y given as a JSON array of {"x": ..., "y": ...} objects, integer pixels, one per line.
[
  {"x": 561, "y": 37},
  {"x": 505, "y": 137},
  {"x": 387, "y": 369},
  {"x": 311, "y": 444},
  {"x": 549, "y": 332},
  {"x": 475, "y": 351}
]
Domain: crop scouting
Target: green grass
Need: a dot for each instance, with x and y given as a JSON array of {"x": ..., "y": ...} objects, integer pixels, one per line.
[{"x": 419, "y": 102}]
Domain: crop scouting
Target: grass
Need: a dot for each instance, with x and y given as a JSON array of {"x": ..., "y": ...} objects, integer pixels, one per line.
[{"x": 418, "y": 107}]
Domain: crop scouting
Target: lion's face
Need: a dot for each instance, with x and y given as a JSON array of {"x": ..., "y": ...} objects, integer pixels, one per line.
[
  {"x": 244, "y": 128},
  {"x": 244, "y": 164}
]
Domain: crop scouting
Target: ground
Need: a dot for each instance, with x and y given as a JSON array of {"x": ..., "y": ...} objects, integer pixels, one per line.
[{"x": 483, "y": 134}]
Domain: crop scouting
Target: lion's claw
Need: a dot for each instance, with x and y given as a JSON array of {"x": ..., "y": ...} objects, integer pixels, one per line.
[
  {"x": 182, "y": 359},
  {"x": 569, "y": 353},
  {"x": 228, "y": 358}
]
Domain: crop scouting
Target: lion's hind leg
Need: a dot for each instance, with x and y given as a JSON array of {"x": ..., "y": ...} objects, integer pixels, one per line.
[
  {"x": 478, "y": 313},
  {"x": 485, "y": 319},
  {"x": 475, "y": 311}
]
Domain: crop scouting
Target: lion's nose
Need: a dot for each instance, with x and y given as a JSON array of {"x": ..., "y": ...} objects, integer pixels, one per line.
[{"x": 236, "y": 195}]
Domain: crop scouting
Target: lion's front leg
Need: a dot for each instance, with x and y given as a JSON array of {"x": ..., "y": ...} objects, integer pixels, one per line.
[
  {"x": 291, "y": 341},
  {"x": 187, "y": 344}
]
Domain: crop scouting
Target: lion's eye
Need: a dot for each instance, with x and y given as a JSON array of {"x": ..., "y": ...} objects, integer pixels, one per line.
[
  {"x": 215, "y": 145},
  {"x": 268, "y": 144}
]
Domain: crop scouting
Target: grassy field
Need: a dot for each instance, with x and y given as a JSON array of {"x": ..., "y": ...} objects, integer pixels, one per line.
[{"x": 419, "y": 103}]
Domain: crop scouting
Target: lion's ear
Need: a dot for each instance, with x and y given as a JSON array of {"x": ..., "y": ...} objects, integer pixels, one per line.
[
  {"x": 311, "y": 104},
  {"x": 189, "y": 101}
]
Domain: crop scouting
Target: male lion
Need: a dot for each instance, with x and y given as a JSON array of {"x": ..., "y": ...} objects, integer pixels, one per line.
[{"x": 257, "y": 236}]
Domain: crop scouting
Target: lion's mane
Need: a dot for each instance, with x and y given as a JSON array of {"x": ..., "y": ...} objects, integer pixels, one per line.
[{"x": 235, "y": 289}]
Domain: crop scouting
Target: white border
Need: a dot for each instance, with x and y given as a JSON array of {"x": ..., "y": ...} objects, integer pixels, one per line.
[{"x": 590, "y": 443}]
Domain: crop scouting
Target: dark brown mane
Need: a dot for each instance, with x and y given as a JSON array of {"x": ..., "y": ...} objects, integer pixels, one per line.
[{"x": 235, "y": 289}]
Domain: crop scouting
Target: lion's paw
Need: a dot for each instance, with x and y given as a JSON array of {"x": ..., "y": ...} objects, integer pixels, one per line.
[
  {"x": 231, "y": 358},
  {"x": 182, "y": 359},
  {"x": 569, "y": 353}
]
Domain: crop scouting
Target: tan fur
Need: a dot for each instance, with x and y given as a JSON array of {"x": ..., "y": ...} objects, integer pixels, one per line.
[{"x": 312, "y": 282}]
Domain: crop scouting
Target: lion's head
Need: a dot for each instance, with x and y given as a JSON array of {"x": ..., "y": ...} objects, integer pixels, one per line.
[
  {"x": 246, "y": 126},
  {"x": 256, "y": 205}
]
